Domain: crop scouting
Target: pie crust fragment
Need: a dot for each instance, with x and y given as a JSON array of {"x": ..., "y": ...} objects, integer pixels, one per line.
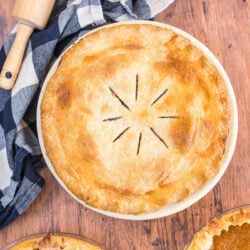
[
  {"x": 135, "y": 117},
  {"x": 54, "y": 242},
  {"x": 230, "y": 232}
]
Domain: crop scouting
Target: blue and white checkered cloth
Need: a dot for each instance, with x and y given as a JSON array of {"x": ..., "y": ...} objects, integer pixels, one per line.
[{"x": 20, "y": 154}]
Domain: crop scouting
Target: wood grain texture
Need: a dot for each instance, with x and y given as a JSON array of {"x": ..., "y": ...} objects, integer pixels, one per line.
[
  {"x": 224, "y": 27},
  {"x": 6, "y": 22}
]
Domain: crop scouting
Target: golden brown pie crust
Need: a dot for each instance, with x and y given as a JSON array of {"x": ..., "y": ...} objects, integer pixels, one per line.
[
  {"x": 205, "y": 239},
  {"x": 54, "y": 242},
  {"x": 135, "y": 117}
]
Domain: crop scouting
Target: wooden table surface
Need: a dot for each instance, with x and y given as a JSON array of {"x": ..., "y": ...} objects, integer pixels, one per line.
[{"x": 224, "y": 26}]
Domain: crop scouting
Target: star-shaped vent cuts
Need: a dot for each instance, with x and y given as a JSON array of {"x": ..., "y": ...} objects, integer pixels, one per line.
[{"x": 115, "y": 94}]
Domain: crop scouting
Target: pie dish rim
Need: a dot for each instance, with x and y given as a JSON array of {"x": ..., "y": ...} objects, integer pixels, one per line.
[{"x": 230, "y": 146}]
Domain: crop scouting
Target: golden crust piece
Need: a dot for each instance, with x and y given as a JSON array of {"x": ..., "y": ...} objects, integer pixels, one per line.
[
  {"x": 54, "y": 242},
  {"x": 135, "y": 117},
  {"x": 204, "y": 239}
]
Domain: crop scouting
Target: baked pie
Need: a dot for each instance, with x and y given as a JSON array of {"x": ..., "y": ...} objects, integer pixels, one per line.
[
  {"x": 135, "y": 117},
  {"x": 230, "y": 232},
  {"x": 54, "y": 242}
]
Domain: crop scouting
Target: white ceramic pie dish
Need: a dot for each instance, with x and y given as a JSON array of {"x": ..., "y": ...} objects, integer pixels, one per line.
[{"x": 231, "y": 141}]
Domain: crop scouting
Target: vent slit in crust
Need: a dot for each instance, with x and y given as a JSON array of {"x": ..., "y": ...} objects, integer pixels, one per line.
[
  {"x": 121, "y": 134},
  {"x": 169, "y": 117},
  {"x": 120, "y": 100},
  {"x": 159, "y": 97},
  {"x": 139, "y": 144},
  {"x": 137, "y": 87},
  {"x": 112, "y": 119},
  {"x": 156, "y": 134}
]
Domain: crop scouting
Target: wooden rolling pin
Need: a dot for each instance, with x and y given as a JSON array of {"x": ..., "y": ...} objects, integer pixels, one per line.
[{"x": 30, "y": 15}]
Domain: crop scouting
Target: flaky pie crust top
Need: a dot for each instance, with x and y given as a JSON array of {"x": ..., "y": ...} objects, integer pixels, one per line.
[{"x": 135, "y": 117}]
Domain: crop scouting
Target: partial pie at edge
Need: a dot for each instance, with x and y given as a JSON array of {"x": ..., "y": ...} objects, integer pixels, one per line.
[
  {"x": 231, "y": 231},
  {"x": 55, "y": 242},
  {"x": 135, "y": 117}
]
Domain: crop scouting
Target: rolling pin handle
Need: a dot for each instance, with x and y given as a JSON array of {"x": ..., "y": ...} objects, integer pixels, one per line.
[{"x": 14, "y": 59}]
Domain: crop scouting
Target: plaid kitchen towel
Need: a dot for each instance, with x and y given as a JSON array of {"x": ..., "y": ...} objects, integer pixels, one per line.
[{"x": 20, "y": 154}]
